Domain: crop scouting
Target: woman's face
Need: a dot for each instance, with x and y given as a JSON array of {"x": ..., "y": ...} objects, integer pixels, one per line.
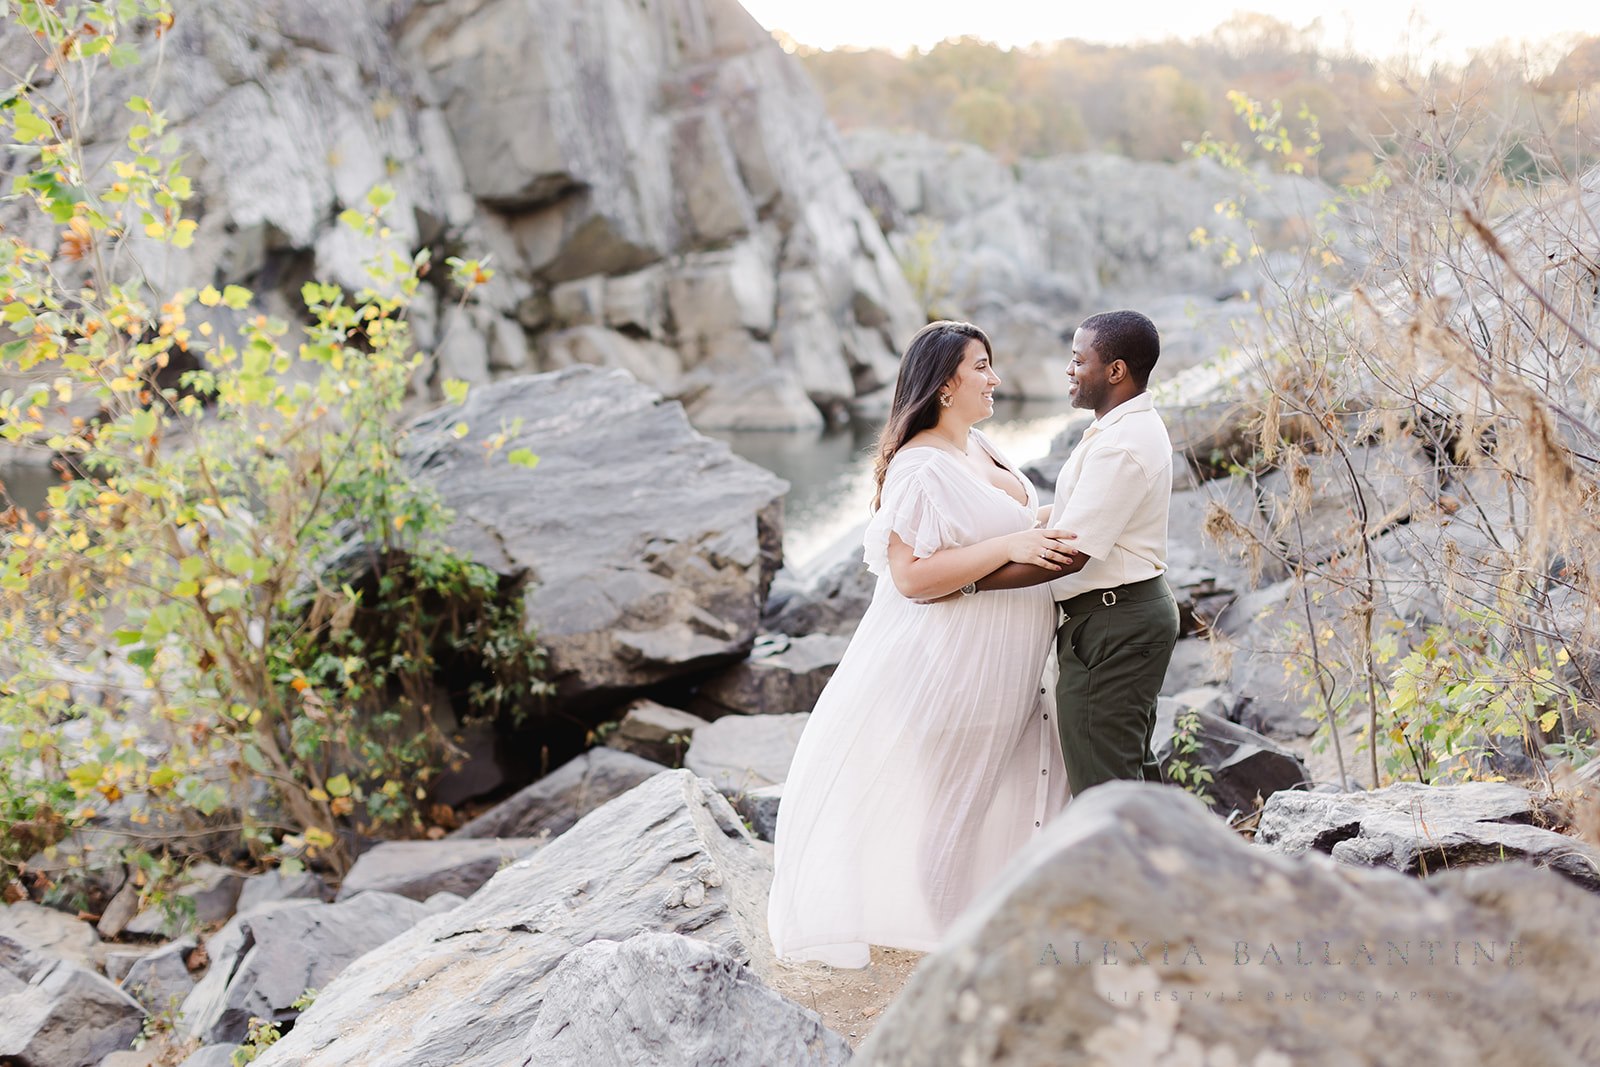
[{"x": 971, "y": 388}]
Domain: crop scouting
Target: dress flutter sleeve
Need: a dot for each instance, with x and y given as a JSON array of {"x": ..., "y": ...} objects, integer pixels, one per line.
[{"x": 913, "y": 508}]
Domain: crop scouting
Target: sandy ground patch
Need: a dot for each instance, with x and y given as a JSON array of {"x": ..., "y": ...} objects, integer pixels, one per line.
[{"x": 850, "y": 1001}]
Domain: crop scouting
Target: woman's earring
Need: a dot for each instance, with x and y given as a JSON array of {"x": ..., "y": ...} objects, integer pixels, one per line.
[{"x": 944, "y": 400}]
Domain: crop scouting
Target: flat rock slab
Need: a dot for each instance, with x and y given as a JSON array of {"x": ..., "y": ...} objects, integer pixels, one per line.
[
  {"x": 273, "y": 886},
  {"x": 656, "y": 561},
  {"x": 745, "y": 752},
  {"x": 465, "y": 988},
  {"x": 554, "y": 803},
  {"x": 419, "y": 869},
  {"x": 1140, "y": 930},
  {"x": 665, "y": 1000},
  {"x": 1425, "y": 829},
  {"x": 50, "y": 932}
]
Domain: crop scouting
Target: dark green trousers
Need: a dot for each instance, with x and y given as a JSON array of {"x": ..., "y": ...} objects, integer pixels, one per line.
[{"x": 1113, "y": 662}]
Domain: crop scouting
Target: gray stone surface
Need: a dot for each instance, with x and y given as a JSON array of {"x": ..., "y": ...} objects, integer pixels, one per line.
[
  {"x": 830, "y": 597},
  {"x": 50, "y": 932},
  {"x": 262, "y": 889},
  {"x": 781, "y": 676},
  {"x": 59, "y": 1014},
  {"x": 655, "y": 732},
  {"x": 550, "y": 806},
  {"x": 1044, "y": 234},
  {"x": 1145, "y": 876},
  {"x": 665, "y": 1000},
  {"x": 1422, "y": 829},
  {"x": 464, "y": 988},
  {"x": 263, "y": 962},
  {"x": 1243, "y": 763},
  {"x": 161, "y": 980},
  {"x": 660, "y": 556},
  {"x": 744, "y": 752},
  {"x": 419, "y": 869},
  {"x": 1386, "y": 482}
]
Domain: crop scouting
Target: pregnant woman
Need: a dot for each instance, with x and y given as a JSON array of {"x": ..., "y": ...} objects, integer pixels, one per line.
[{"x": 932, "y": 755}]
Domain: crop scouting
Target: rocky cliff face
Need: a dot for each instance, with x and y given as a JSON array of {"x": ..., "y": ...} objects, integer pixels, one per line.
[
  {"x": 655, "y": 183},
  {"x": 1028, "y": 250}
]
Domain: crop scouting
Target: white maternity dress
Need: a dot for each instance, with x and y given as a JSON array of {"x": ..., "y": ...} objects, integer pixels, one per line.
[{"x": 932, "y": 755}]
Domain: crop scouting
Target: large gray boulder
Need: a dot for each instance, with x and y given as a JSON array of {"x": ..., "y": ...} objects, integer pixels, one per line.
[
  {"x": 554, "y": 803},
  {"x": 677, "y": 205},
  {"x": 59, "y": 1014},
  {"x": 465, "y": 988},
  {"x": 647, "y": 548},
  {"x": 263, "y": 962},
  {"x": 1426, "y": 829},
  {"x": 419, "y": 869},
  {"x": 663, "y": 1000},
  {"x": 1140, "y": 930}
]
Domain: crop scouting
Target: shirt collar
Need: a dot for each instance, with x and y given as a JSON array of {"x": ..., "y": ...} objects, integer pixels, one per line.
[{"x": 1142, "y": 402}]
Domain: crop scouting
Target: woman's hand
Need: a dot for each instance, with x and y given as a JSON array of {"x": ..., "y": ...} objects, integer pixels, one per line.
[{"x": 1042, "y": 548}]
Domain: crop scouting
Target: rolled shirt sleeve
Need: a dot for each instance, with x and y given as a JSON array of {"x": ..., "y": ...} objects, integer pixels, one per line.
[{"x": 1109, "y": 491}]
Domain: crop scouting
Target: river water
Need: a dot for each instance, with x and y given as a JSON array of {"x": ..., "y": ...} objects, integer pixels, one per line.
[{"x": 830, "y": 474}]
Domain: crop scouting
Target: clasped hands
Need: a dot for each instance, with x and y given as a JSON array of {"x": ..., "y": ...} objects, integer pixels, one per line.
[
  {"x": 1042, "y": 548},
  {"x": 1045, "y": 548}
]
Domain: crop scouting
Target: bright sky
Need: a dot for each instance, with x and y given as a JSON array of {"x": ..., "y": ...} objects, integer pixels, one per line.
[{"x": 1432, "y": 29}]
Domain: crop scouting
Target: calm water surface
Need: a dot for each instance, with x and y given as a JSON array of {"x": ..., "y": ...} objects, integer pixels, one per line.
[{"x": 830, "y": 474}]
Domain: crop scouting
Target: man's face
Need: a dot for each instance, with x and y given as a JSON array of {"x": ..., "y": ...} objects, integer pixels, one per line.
[{"x": 1086, "y": 373}]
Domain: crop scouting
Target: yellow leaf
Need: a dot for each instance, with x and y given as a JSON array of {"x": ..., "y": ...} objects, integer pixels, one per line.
[{"x": 210, "y": 296}]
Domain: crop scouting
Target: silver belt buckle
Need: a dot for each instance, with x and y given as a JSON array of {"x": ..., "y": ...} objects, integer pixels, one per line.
[{"x": 1109, "y": 597}]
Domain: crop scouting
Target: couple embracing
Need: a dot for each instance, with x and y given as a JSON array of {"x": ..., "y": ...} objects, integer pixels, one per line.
[{"x": 939, "y": 748}]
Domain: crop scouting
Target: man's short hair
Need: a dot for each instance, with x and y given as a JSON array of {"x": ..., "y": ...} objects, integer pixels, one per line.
[{"x": 1128, "y": 336}]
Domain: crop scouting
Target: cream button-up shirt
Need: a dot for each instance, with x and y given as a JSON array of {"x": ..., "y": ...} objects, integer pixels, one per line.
[{"x": 1114, "y": 492}]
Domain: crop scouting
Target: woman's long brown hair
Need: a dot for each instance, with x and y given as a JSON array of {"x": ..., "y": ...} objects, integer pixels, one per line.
[{"x": 931, "y": 360}]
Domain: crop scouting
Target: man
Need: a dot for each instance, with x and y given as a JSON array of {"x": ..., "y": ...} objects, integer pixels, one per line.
[{"x": 1119, "y": 620}]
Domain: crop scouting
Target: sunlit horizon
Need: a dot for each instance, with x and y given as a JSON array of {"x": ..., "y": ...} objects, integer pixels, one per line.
[{"x": 1424, "y": 31}]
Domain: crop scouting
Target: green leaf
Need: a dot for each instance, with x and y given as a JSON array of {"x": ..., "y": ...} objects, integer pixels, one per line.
[
  {"x": 236, "y": 297},
  {"x": 338, "y": 785},
  {"x": 142, "y": 657},
  {"x": 455, "y": 390},
  {"x": 522, "y": 457},
  {"x": 30, "y": 125}
]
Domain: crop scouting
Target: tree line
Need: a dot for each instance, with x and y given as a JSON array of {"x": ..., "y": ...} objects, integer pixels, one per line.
[{"x": 1147, "y": 101}]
